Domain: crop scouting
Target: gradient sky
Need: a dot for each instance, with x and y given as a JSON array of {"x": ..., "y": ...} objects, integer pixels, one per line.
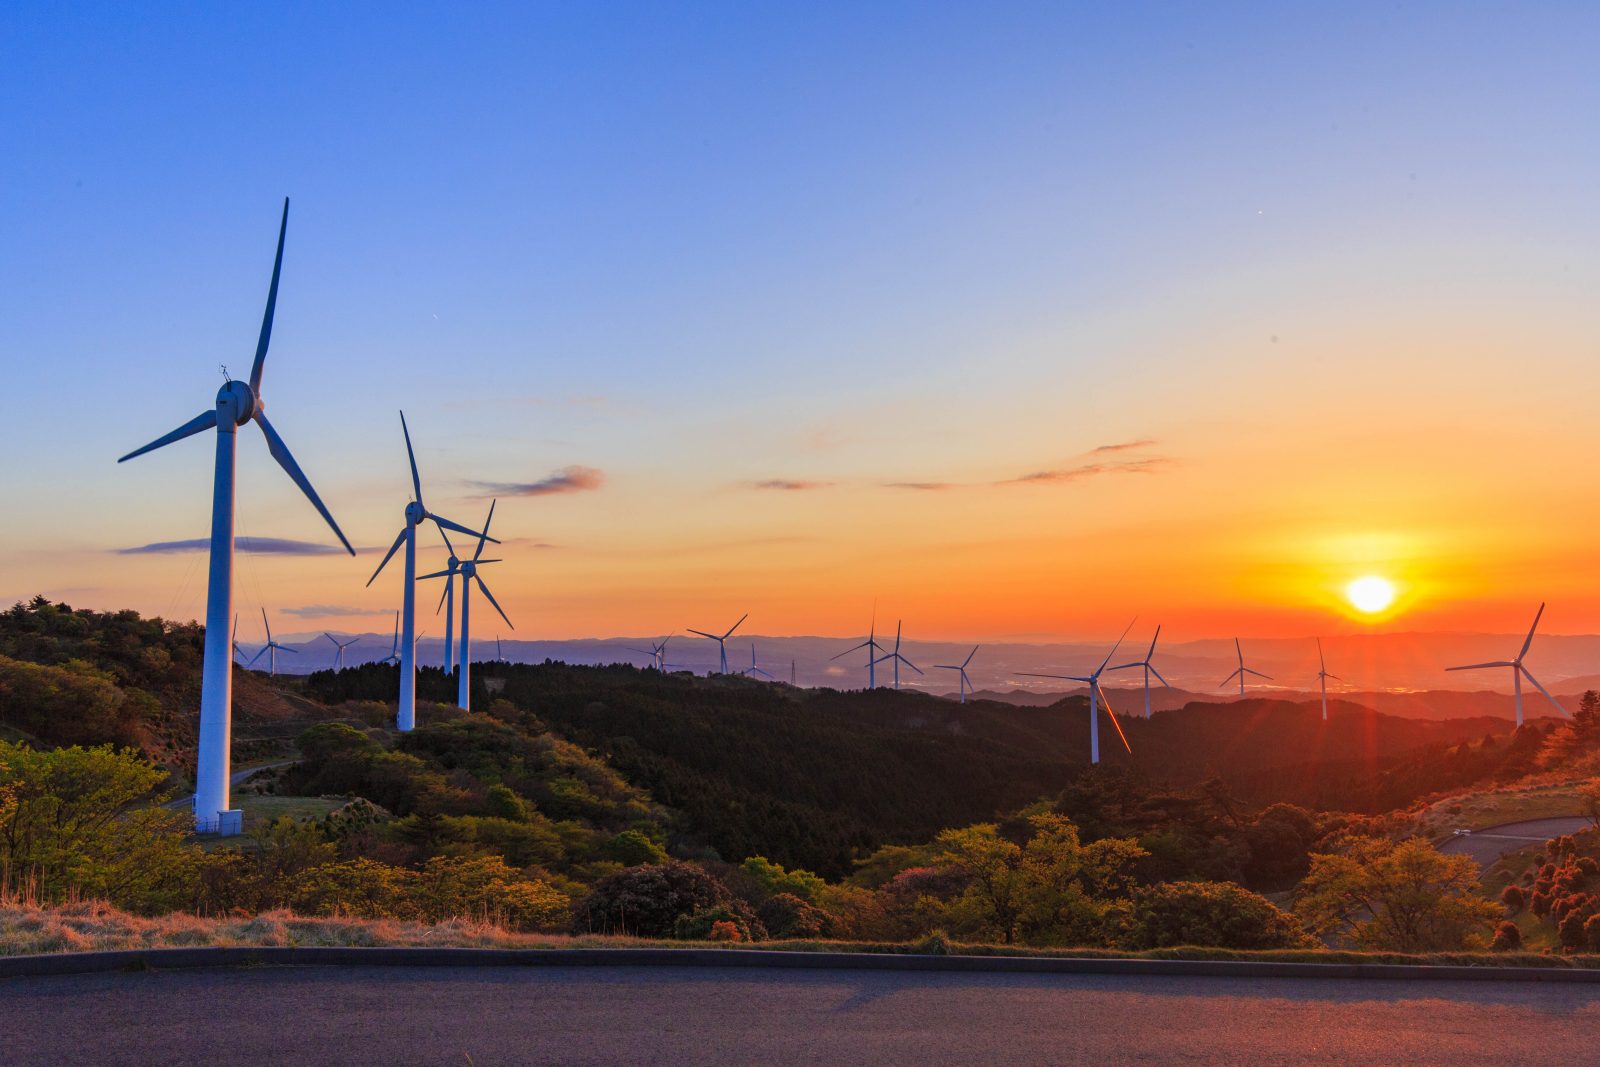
[{"x": 1016, "y": 320}]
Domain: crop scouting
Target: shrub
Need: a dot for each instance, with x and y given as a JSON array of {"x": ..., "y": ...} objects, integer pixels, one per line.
[
  {"x": 632, "y": 848},
  {"x": 1591, "y": 932},
  {"x": 448, "y": 887},
  {"x": 646, "y": 901},
  {"x": 786, "y": 915},
  {"x": 1213, "y": 914},
  {"x": 1571, "y": 933},
  {"x": 1507, "y": 937},
  {"x": 716, "y": 922},
  {"x": 1514, "y": 897}
]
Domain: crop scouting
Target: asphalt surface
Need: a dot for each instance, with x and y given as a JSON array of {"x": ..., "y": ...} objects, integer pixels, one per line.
[
  {"x": 669, "y": 1015},
  {"x": 1490, "y": 844}
]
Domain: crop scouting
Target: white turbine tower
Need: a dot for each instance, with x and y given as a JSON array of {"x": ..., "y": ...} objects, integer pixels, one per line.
[
  {"x": 966, "y": 683},
  {"x": 1096, "y": 693},
  {"x": 753, "y": 669},
  {"x": 469, "y": 574},
  {"x": 1322, "y": 678},
  {"x": 897, "y": 657},
  {"x": 416, "y": 515},
  {"x": 722, "y": 641},
  {"x": 237, "y": 403},
  {"x": 657, "y": 653},
  {"x": 447, "y": 600},
  {"x": 1518, "y": 671},
  {"x": 394, "y": 652},
  {"x": 271, "y": 648},
  {"x": 339, "y": 647},
  {"x": 1149, "y": 669},
  {"x": 1241, "y": 670},
  {"x": 872, "y": 647}
]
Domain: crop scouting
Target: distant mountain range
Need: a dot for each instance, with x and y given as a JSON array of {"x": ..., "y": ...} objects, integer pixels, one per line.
[{"x": 1402, "y": 673}]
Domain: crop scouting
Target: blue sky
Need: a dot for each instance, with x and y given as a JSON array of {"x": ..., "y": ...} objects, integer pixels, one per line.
[{"x": 699, "y": 247}]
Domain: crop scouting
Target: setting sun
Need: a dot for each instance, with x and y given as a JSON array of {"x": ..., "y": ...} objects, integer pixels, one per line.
[{"x": 1370, "y": 593}]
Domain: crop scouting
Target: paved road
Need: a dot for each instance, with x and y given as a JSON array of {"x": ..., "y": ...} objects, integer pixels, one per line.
[
  {"x": 1490, "y": 844},
  {"x": 397, "y": 1016}
]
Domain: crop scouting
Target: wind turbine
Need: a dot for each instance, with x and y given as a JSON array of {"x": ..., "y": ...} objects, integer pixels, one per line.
[
  {"x": 469, "y": 574},
  {"x": 897, "y": 657},
  {"x": 1518, "y": 671},
  {"x": 271, "y": 647},
  {"x": 447, "y": 599},
  {"x": 753, "y": 669},
  {"x": 237, "y": 651},
  {"x": 872, "y": 647},
  {"x": 657, "y": 653},
  {"x": 1241, "y": 671},
  {"x": 394, "y": 651},
  {"x": 416, "y": 515},
  {"x": 1149, "y": 669},
  {"x": 237, "y": 403},
  {"x": 1096, "y": 693},
  {"x": 339, "y": 647},
  {"x": 966, "y": 682},
  {"x": 1323, "y": 676},
  {"x": 722, "y": 641},
  {"x": 499, "y": 653}
]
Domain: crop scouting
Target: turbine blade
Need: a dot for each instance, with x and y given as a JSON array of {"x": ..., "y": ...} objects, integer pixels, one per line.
[
  {"x": 329, "y": 636},
  {"x": 205, "y": 421},
  {"x": 398, "y": 541},
  {"x": 280, "y": 452},
  {"x": 458, "y": 528},
  {"x": 1529, "y": 675},
  {"x": 712, "y": 637},
  {"x": 446, "y": 537},
  {"x": 255, "y": 657},
  {"x": 416, "y": 479},
  {"x": 908, "y": 663},
  {"x": 1258, "y": 674},
  {"x": 267, "y": 624},
  {"x": 1158, "y": 676},
  {"x": 272, "y": 305},
  {"x": 1116, "y": 646},
  {"x": 435, "y": 574},
  {"x": 974, "y": 652},
  {"x": 449, "y": 583},
  {"x": 736, "y": 625},
  {"x": 1480, "y": 666},
  {"x": 493, "y": 601},
  {"x": 485, "y": 538},
  {"x": 1153, "y": 641},
  {"x": 1526, "y": 644},
  {"x": 1230, "y": 678},
  {"x": 846, "y": 652},
  {"x": 1063, "y": 677}
]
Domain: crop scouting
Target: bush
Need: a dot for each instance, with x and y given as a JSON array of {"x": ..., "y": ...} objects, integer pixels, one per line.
[
  {"x": 483, "y": 887},
  {"x": 1212, "y": 914},
  {"x": 646, "y": 901},
  {"x": 1571, "y": 933},
  {"x": 1591, "y": 932},
  {"x": 1514, "y": 897},
  {"x": 1507, "y": 937},
  {"x": 786, "y": 915},
  {"x": 731, "y": 920},
  {"x": 632, "y": 848}
]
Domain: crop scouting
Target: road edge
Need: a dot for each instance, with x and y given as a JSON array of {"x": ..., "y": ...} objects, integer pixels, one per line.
[{"x": 155, "y": 959}]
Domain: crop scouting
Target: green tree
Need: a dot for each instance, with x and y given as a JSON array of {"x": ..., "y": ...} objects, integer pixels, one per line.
[
  {"x": 361, "y": 888},
  {"x": 88, "y": 821},
  {"x": 773, "y": 879},
  {"x": 1402, "y": 897},
  {"x": 483, "y": 887},
  {"x": 1213, "y": 914}
]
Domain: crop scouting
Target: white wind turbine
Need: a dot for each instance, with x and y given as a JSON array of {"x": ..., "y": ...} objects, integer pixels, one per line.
[
  {"x": 237, "y": 651},
  {"x": 394, "y": 651},
  {"x": 722, "y": 641},
  {"x": 1322, "y": 678},
  {"x": 271, "y": 648},
  {"x": 469, "y": 574},
  {"x": 416, "y": 515},
  {"x": 897, "y": 657},
  {"x": 872, "y": 647},
  {"x": 447, "y": 599},
  {"x": 657, "y": 653},
  {"x": 1518, "y": 671},
  {"x": 1241, "y": 670},
  {"x": 339, "y": 647},
  {"x": 1149, "y": 669},
  {"x": 753, "y": 669},
  {"x": 966, "y": 683},
  {"x": 1096, "y": 693},
  {"x": 237, "y": 403}
]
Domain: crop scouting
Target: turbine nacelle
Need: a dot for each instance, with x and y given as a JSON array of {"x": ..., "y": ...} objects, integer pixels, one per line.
[
  {"x": 415, "y": 513},
  {"x": 237, "y": 403}
]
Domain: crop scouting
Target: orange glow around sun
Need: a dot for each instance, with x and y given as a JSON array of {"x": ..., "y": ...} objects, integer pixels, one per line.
[{"x": 1370, "y": 594}]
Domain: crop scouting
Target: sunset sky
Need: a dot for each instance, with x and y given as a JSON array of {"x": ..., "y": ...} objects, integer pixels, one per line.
[{"x": 1013, "y": 320}]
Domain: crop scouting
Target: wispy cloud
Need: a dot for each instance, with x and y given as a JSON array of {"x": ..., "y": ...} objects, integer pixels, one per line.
[
  {"x": 330, "y": 611},
  {"x": 525, "y": 542},
  {"x": 787, "y": 484},
  {"x": 930, "y": 487},
  {"x": 1123, "y": 446},
  {"x": 573, "y": 479},
  {"x": 264, "y": 546},
  {"x": 1087, "y": 470}
]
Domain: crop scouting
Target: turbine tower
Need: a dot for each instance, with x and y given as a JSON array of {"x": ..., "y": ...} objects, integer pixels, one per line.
[
  {"x": 966, "y": 683},
  {"x": 722, "y": 641},
  {"x": 339, "y": 647},
  {"x": 237, "y": 403},
  {"x": 271, "y": 648},
  {"x": 469, "y": 574},
  {"x": 1149, "y": 669},
  {"x": 447, "y": 599},
  {"x": 872, "y": 647},
  {"x": 416, "y": 515},
  {"x": 394, "y": 652},
  {"x": 1322, "y": 678},
  {"x": 898, "y": 658},
  {"x": 1518, "y": 671},
  {"x": 1096, "y": 693},
  {"x": 753, "y": 669},
  {"x": 1241, "y": 670}
]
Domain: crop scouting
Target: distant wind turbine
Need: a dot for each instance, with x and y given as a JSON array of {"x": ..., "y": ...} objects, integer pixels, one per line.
[
  {"x": 271, "y": 648},
  {"x": 237, "y": 403},
  {"x": 394, "y": 652},
  {"x": 339, "y": 646},
  {"x": 469, "y": 574},
  {"x": 722, "y": 641},
  {"x": 447, "y": 599},
  {"x": 897, "y": 658},
  {"x": 657, "y": 653},
  {"x": 1096, "y": 693},
  {"x": 753, "y": 668},
  {"x": 1242, "y": 670},
  {"x": 966, "y": 683},
  {"x": 1149, "y": 669},
  {"x": 1322, "y": 678},
  {"x": 872, "y": 647},
  {"x": 237, "y": 651},
  {"x": 1518, "y": 671},
  {"x": 416, "y": 515}
]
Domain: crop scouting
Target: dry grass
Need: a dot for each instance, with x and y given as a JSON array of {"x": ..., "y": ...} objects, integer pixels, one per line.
[{"x": 1479, "y": 810}]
